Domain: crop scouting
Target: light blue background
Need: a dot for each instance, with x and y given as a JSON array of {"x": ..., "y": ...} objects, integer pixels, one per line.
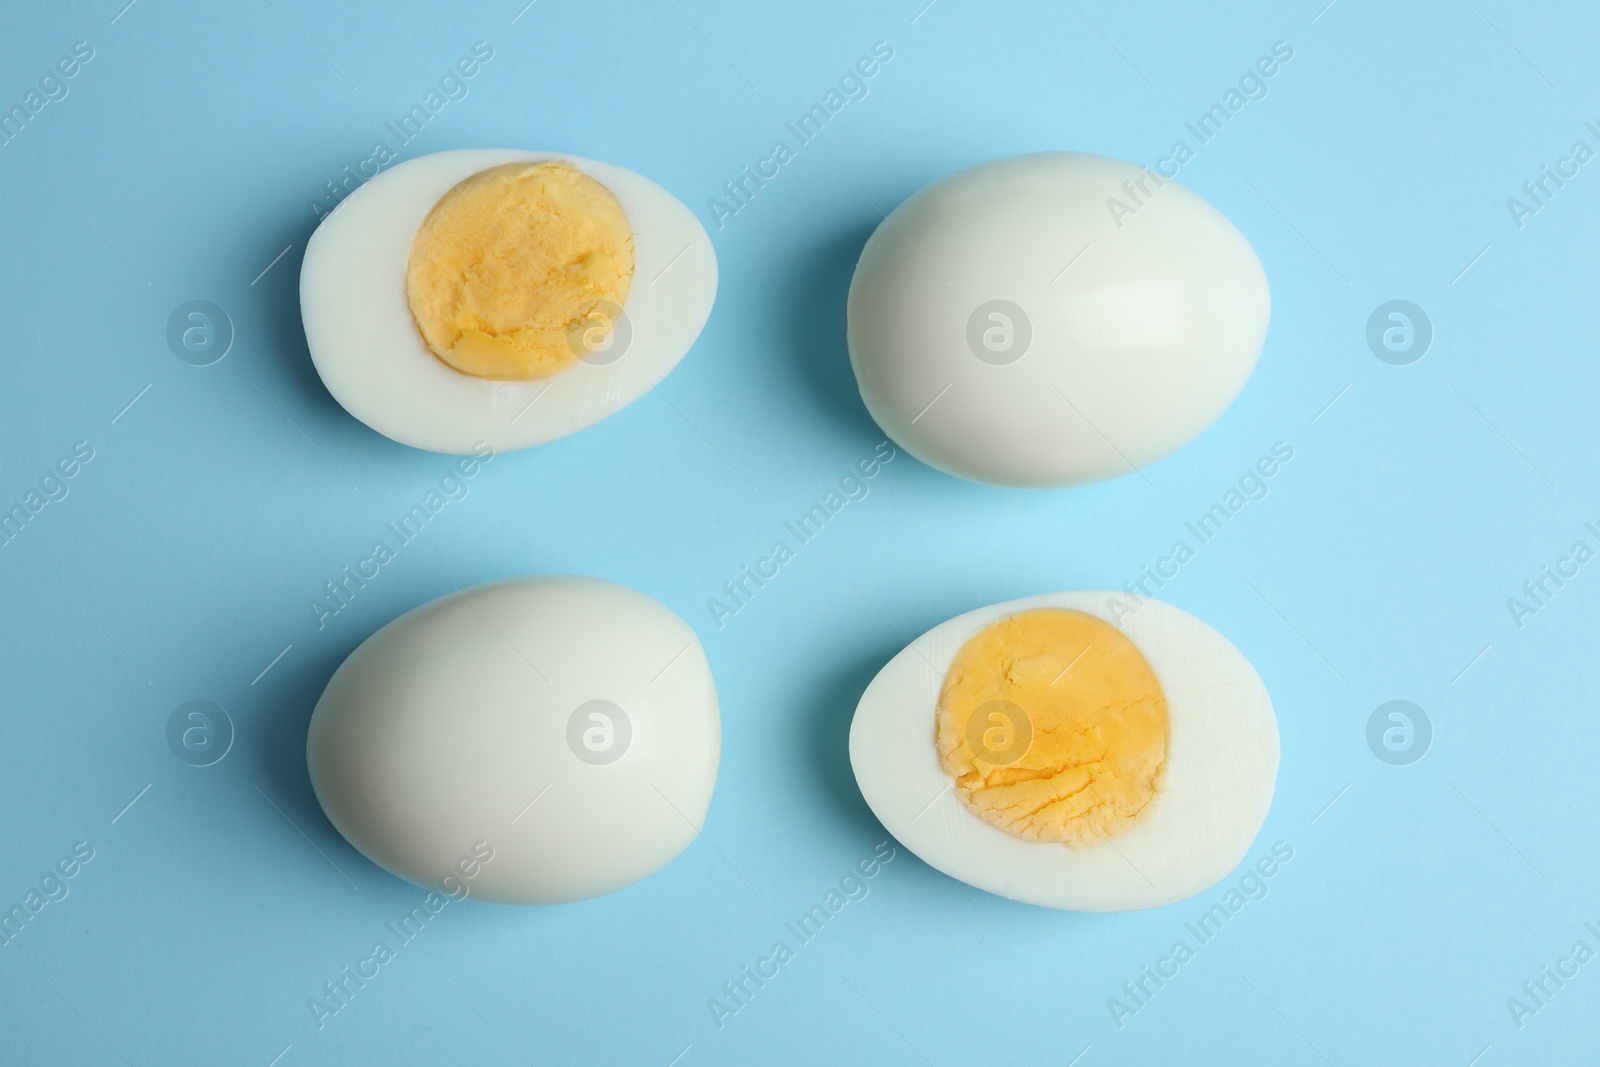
[{"x": 1378, "y": 167}]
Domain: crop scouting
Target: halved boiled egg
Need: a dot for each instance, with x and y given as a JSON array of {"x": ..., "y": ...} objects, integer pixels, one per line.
[
  {"x": 1063, "y": 751},
  {"x": 502, "y": 296}
]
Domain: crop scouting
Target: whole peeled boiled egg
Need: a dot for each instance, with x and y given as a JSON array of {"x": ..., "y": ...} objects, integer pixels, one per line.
[
  {"x": 1066, "y": 751},
  {"x": 1053, "y": 319},
  {"x": 502, "y": 296},
  {"x": 532, "y": 741}
]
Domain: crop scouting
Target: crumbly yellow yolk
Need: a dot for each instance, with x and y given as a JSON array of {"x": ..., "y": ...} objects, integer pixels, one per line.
[
  {"x": 519, "y": 270},
  {"x": 1053, "y": 726}
]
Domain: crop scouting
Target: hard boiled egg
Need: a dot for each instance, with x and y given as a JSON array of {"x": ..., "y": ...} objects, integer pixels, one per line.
[
  {"x": 1071, "y": 750},
  {"x": 532, "y": 741},
  {"x": 502, "y": 296},
  {"x": 1053, "y": 319}
]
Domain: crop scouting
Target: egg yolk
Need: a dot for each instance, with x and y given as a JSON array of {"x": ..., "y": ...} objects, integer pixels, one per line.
[
  {"x": 1054, "y": 727},
  {"x": 520, "y": 270}
]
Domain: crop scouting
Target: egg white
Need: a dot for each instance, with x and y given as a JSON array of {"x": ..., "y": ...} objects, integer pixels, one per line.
[
  {"x": 1222, "y": 765},
  {"x": 366, "y": 347}
]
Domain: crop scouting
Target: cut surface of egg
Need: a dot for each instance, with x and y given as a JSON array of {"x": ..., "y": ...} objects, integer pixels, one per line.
[
  {"x": 502, "y": 296},
  {"x": 1038, "y": 751},
  {"x": 1053, "y": 319},
  {"x": 532, "y": 741}
]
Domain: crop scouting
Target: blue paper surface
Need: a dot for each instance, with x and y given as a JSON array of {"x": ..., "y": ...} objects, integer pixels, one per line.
[{"x": 1442, "y": 866}]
